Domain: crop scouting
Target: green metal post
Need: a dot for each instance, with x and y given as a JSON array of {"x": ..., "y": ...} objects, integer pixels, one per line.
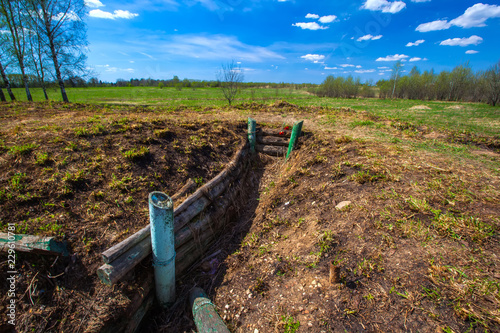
[
  {"x": 251, "y": 133},
  {"x": 297, "y": 129},
  {"x": 205, "y": 316},
  {"x": 161, "y": 217}
]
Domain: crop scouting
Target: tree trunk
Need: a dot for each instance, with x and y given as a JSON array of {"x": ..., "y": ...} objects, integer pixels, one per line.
[
  {"x": 45, "y": 92},
  {"x": 7, "y": 83},
  {"x": 54, "y": 57},
  {"x": 2, "y": 96},
  {"x": 25, "y": 80}
]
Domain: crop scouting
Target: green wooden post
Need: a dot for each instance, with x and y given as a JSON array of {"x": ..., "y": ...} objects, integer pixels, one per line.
[
  {"x": 297, "y": 129},
  {"x": 251, "y": 133},
  {"x": 205, "y": 316}
]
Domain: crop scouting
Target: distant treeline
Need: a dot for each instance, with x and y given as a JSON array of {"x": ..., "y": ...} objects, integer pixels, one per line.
[{"x": 461, "y": 84}]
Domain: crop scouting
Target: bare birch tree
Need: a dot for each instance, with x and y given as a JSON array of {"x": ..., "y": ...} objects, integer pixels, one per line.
[
  {"x": 60, "y": 25},
  {"x": 230, "y": 77},
  {"x": 396, "y": 69},
  {"x": 13, "y": 17}
]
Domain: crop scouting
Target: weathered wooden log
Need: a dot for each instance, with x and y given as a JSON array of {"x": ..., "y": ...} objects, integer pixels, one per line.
[
  {"x": 272, "y": 141},
  {"x": 189, "y": 187},
  {"x": 210, "y": 192},
  {"x": 112, "y": 272},
  {"x": 272, "y": 150},
  {"x": 271, "y": 132},
  {"x": 33, "y": 244},
  {"x": 209, "y": 221},
  {"x": 191, "y": 251},
  {"x": 200, "y": 192},
  {"x": 118, "y": 249},
  {"x": 205, "y": 315}
]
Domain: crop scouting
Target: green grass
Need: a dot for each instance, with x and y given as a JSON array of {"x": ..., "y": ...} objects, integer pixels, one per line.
[{"x": 478, "y": 118}]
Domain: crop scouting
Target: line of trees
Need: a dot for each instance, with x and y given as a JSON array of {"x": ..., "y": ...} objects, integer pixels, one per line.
[
  {"x": 41, "y": 41},
  {"x": 460, "y": 84}
]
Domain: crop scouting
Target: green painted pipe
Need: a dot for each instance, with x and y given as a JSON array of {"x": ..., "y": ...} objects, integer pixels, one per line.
[
  {"x": 296, "y": 130},
  {"x": 161, "y": 217},
  {"x": 251, "y": 133},
  {"x": 205, "y": 316}
]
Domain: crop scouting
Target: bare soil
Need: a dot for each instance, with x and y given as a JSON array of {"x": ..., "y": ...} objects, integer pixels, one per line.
[{"x": 416, "y": 250}]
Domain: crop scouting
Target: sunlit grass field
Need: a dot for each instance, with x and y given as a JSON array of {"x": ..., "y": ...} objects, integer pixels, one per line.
[{"x": 478, "y": 118}]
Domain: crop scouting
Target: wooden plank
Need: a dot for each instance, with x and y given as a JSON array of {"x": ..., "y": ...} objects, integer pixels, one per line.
[
  {"x": 272, "y": 150},
  {"x": 272, "y": 141},
  {"x": 33, "y": 244},
  {"x": 272, "y": 132},
  {"x": 112, "y": 272},
  {"x": 189, "y": 187}
]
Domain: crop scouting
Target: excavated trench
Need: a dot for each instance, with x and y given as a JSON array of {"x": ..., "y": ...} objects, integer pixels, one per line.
[{"x": 209, "y": 225}]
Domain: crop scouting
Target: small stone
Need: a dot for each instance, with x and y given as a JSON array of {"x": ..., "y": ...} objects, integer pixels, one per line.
[
  {"x": 309, "y": 324},
  {"x": 342, "y": 205},
  {"x": 314, "y": 282},
  {"x": 227, "y": 306},
  {"x": 319, "y": 285},
  {"x": 306, "y": 311},
  {"x": 301, "y": 308},
  {"x": 255, "y": 331}
]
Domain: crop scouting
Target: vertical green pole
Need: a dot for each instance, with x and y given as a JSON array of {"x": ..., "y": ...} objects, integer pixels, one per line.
[
  {"x": 161, "y": 217},
  {"x": 251, "y": 133},
  {"x": 297, "y": 129}
]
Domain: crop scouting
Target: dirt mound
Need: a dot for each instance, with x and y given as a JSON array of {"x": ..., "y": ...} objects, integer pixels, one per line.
[
  {"x": 455, "y": 107},
  {"x": 420, "y": 107}
]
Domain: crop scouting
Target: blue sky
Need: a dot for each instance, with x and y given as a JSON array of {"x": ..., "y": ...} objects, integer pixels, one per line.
[{"x": 288, "y": 40}]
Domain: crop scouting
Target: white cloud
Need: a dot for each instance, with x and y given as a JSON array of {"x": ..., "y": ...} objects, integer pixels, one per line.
[
  {"x": 309, "y": 26},
  {"x": 346, "y": 65},
  {"x": 313, "y": 57},
  {"x": 148, "y": 55},
  {"x": 433, "y": 26},
  {"x": 418, "y": 59},
  {"x": 215, "y": 47},
  {"x": 362, "y": 71},
  {"x": 327, "y": 18},
  {"x": 312, "y": 16},
  {"x": 111, "y": 69},
  {"x": 472, "y": 40},
  {"x": 326, "y": 67},
  {"x": 70, "y": 16},
  {"x": 369, "y": 37},
  {"x": 93, "y": 3},
  {"x": 359, "y": 66},
  {"x": 384, "y": 6},
  {"x": 418, "y": 42},
  {"x": 383, "y": 67},
  {"x": 474, "y": 16},
  {"x": 395, "y": 57},
  {"x": 471, "y": 52},
  {"x": 125, "y": 14}
]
